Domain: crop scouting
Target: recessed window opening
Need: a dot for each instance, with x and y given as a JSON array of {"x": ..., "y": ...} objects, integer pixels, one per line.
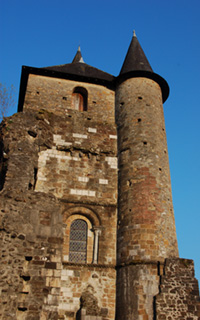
[
  {"x": 78, "y": 241},
  {"x": 139, "y": 120},
  {"x": 79, "y": 99},
  {"x": 28, "y": 258},
  {"x": 140, "y": 98},
  {"x": 23, "y": 309},
  {"x": 24, "y": 292},
  {"x": 64, "y": 98},
  {"x": 38, "y": 92},
  {"x": 26, "y": 278},
  {"x": 144, "y": 142}
]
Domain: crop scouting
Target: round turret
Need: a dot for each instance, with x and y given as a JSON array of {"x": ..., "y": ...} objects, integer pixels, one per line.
[{"x": 146, "y": 227}]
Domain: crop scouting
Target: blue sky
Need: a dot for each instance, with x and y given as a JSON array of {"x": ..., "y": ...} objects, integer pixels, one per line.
[{"x": 45, "y": 33}]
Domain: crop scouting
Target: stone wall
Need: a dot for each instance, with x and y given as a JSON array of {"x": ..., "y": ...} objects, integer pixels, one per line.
[
  {"x": 55, "y": 95},
  {"x": 91, "y": 288},
  {"x": 179, "y": 292},
  {"x": 82, "y": 162},
  {"x": 38, "y": 203},
  {"x": 31, "y": 243},
  {"x": 137, "y": 284}
]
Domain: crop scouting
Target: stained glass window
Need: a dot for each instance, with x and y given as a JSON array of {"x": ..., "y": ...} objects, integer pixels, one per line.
[{"x": 78, "y": 241}]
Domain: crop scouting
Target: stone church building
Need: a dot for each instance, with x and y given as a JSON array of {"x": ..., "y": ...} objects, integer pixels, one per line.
[{"x": 87, "y": 222}]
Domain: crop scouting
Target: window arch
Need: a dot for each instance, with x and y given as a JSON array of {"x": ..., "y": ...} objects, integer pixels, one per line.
[
  {"x": 78, "y": 241},
  {"x": 79, "y": 99},
  {"x": 81, "y": 238}
]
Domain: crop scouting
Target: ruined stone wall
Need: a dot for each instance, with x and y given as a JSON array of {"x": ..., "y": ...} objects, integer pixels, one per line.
[
  {"x": 158, "y": 291},
  {"x": 31, "y": 244},
  {"x": 178, "y": 297},
  {"x": 51, "y": 174}
]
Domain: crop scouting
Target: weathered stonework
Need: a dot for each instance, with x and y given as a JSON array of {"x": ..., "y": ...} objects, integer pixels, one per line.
[
  {"x": 179, "y": 292},
  {"x": 53, "y": 287},
  {"x": 87, "y": 224}
]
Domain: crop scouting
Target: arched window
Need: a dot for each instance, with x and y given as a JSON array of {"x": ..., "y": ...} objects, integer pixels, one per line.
[
  {"x": 78, "y": 241},
  {"x": 79, "y": 99},
  {"x": 81, "y": 236}
]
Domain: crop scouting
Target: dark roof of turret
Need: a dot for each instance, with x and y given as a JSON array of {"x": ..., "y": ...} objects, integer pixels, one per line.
[
  {"x": 135, "y": 58},
  {"x": 79, "y": 68},
  {"x": 136, "y": 65}
]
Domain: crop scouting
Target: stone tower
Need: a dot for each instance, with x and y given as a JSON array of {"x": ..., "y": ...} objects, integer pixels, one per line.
[
  {"x": 87, "y": 224},
  {"x": 146, "y": 227}
]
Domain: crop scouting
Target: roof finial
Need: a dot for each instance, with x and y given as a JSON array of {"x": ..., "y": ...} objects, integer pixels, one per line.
[
  {"x": 79, "y": 48},
  {"x": 134, "y": 34}
]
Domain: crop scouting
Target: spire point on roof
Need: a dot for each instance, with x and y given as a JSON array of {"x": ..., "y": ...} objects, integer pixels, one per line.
[
  {"x": 137, "y": 65},
  {"x": 78, "y": 57}
]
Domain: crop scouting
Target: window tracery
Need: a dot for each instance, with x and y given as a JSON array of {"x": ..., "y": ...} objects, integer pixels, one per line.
[{"x": 78, "y": 241}]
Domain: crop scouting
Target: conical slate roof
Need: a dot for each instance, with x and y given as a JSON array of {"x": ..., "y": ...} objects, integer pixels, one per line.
[
  {"x": 135, "y": 58},
  {"x": 136, "y": 65}
]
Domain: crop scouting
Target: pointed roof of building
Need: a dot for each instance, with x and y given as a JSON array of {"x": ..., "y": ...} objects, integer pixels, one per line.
[
  {"x": 78, "y": 56},
  {"x": 136, "y": 65},
  {"x": 135, "y": 58},
  {"x": 78, "y": 68}
]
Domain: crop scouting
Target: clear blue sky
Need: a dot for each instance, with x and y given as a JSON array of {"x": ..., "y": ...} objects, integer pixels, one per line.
[{"x": 48, "y": 32}]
